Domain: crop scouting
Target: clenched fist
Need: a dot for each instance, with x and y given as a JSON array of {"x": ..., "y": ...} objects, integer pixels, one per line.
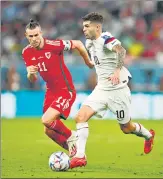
[
  {"x": 115, "y": 77},
  {"x": 32, "y": 69}
]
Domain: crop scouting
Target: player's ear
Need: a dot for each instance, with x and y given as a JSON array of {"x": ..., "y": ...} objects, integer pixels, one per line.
[
  {"x": 41, "y": 32},
  {"x": 98, "y": 27},
  {"x": 26, "y": 35}
]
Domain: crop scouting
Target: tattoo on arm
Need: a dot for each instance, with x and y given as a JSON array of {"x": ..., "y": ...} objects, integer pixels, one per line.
[{"x": 121, "y": 53}]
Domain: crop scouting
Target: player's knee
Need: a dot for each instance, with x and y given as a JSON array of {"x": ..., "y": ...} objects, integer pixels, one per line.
[
  {"x": 46, "y": 130},
  {"x": 79, "y": 118},
  {"x": 125, "y": 129},
  {"x": 45, "y": 122}
]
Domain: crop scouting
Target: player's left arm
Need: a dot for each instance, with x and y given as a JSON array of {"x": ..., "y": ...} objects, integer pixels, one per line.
[
  {"x": 121, "y": 53},
  {"x": 77, "y": 44},
  {"x": 114, "y": 45}
]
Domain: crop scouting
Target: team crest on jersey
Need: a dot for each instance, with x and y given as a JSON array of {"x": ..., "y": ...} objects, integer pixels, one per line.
[{"x": 48, "y": 55}]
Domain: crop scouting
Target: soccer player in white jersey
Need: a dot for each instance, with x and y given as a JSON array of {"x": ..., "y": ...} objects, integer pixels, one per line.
[{"x": 111, "y": 92}]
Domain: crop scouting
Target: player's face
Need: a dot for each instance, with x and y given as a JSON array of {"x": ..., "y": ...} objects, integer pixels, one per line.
[
  {"x": 89, "y": 29},
  {"x": 34, "y": 36}
]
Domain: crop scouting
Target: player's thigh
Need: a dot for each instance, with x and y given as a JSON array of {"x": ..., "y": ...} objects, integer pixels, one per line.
[
  {"x": 127, "y": 127},
  {"x": 84, "y": 114},
  {"x": 97, "y": 101},
  {"x": 50, "y": 115},
  {"x": 120, "y": 103},
  {"x": 50, "y": 111}
]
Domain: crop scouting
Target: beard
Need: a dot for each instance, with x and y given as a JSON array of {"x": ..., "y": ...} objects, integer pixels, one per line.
[
  {"x": 91, "y": 37},
  {"x": 87, "y": 37},
  {"x": 36, "y": 44}
]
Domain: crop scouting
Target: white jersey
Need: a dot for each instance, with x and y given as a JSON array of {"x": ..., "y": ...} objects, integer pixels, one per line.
[{"x": 105, "y": 61}]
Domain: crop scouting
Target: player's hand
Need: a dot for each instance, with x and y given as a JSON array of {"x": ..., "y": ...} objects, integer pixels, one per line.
[
  {"x": 115, "y": 77},
  {"x": 32, "y": 69},
  {"x": 90, "y": 64}
]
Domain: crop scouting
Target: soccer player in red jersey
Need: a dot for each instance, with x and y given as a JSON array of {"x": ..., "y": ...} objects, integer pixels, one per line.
[{"x": 46, "y": 57}]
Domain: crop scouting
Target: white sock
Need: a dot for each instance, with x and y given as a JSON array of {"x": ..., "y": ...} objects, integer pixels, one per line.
[
  {"x": 141, "y": 131},
  {"x": 83, "y": 132}
]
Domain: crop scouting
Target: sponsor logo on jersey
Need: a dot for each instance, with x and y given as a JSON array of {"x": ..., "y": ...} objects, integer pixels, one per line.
[
  {"x": 48, "y": 55},
  {"x": 33, "y": 58}
]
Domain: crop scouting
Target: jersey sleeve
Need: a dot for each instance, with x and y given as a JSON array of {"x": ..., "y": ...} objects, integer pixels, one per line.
[
  {"x": 110, "y": 41},
  {"x": 59, "y": 45},
  {"x": 26, "y": 58}
]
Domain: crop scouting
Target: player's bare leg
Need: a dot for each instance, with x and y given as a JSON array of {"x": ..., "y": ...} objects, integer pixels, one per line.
[
  {"x": 141, "y": 131},
  {"x": 50, "y": 119},
  {"x": 84, "y": 114}
]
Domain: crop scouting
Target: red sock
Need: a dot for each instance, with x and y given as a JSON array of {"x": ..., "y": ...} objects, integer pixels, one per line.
[
  {"x": 58, "y": 138},
  {"x": 59, "y": 127}
]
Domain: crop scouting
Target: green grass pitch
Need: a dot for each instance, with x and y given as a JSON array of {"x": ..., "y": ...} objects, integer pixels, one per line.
[{"x": 111, "y": 154}]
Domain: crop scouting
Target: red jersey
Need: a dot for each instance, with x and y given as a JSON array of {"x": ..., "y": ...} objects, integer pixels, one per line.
[{"x": 51, "y": 64}]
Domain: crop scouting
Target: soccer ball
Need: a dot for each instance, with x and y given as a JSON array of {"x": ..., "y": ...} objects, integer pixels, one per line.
[{"x": 59, "y": 161}]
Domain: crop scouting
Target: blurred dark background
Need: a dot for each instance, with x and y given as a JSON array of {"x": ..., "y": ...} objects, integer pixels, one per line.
[{"x": 137, "y": 24}]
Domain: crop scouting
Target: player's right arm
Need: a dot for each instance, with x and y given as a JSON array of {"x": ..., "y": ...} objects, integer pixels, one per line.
[
  {"x": 31, "y": 69},
  {"x": 32, "y": 73},
  {"x": 77, "y": 44}
]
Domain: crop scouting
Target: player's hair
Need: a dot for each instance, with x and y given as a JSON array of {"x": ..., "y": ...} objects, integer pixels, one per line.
[
  {"x": 32, "y": 24},
  {"x": 93, "y": 17}
]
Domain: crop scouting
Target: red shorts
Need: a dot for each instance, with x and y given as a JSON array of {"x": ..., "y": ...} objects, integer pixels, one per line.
[{"x": 61, "y": 101}]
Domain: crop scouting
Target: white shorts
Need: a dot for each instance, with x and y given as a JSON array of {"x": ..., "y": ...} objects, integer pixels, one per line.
[{"x": 118, "y": 101}]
